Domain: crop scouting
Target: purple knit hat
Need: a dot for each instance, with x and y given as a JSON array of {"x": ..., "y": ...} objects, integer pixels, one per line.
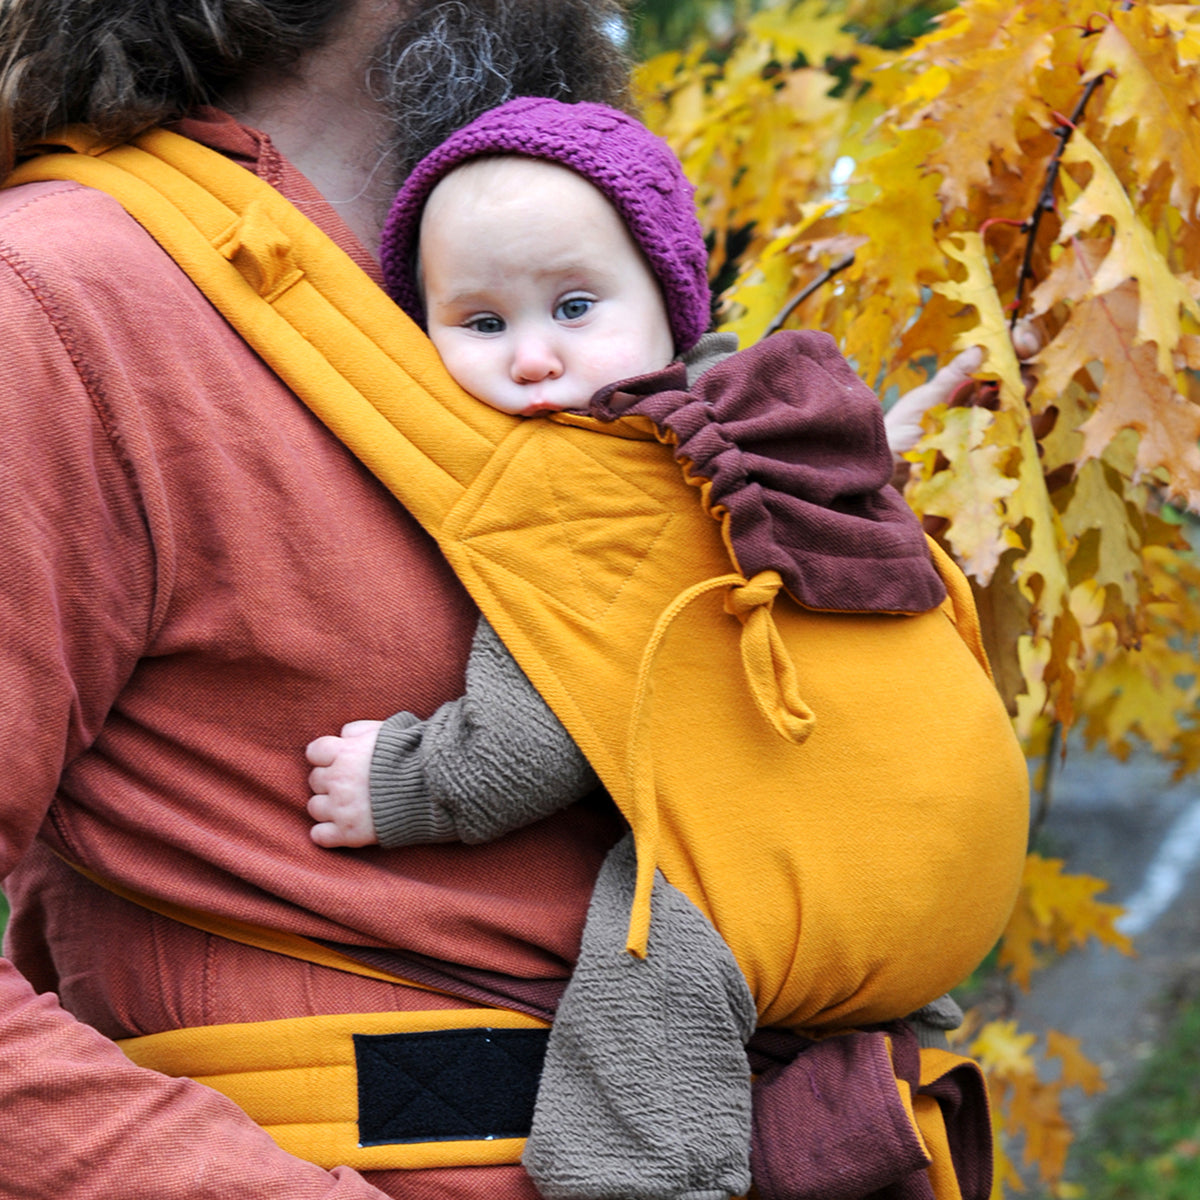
[{"x": 635, "y": 170}]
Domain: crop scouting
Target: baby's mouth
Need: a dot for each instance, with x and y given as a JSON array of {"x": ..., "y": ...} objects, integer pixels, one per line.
[{"x": 542, "y": 406}]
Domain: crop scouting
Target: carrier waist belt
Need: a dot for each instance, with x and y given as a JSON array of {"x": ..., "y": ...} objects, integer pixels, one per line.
[{"x": 373, "y": 1091}]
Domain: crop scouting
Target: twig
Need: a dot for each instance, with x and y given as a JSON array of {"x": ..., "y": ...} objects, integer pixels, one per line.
[
  {"x": 1045, "y": 202},
  {"x": 812, "y": 285}
]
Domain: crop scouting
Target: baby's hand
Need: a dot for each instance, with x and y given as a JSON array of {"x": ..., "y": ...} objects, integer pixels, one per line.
[{"x": 340, "y": 782}]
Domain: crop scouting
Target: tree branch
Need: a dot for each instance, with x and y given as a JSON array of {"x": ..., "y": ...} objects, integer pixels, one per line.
[
  {"x": 804, "y": 293},
  {"x": 1045, "y": 203}
]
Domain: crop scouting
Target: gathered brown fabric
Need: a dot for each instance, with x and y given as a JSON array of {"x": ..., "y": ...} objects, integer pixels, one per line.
[{"x": 791, "y": 444}]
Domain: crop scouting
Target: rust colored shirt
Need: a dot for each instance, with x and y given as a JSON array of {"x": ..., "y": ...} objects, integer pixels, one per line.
[{"x": 198, "y": 580}]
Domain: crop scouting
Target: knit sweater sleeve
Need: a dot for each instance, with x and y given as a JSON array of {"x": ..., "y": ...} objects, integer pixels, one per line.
[{"x": 493, "y": 760}]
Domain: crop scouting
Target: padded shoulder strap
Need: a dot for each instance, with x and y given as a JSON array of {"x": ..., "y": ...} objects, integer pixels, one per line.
[{"x": 339, "y": 343}]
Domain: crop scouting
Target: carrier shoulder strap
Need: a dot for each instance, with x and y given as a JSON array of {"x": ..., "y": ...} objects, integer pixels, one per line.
[{"x": 302, "y": 304}]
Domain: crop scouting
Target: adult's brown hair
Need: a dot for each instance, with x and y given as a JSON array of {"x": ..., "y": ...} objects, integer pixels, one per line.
[{"x": 120, "y": 66}]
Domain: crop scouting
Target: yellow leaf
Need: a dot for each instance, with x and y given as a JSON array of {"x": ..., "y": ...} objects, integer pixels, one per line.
[
  {"x": 1097, "y": 506},
  {"x": 1041, "y": 571},
  {"x": 1021, "y": 951},
  {"x": 1183, "y": 21},
  {"x": 812, "y": 29},
  {"x": 872, "y": 333},
  {"x": 757, "y": 296},
  {"x": 1063, "y": 445},
  {"x": 1033, "y": 656},
  {"x": 1144, "y": 692},
  {"x": 900, "y": 221},
  {"x": 1072, "y": 275},
  {"x": 1004, "y": 614},
  {"x": 991, "y": 332},
  {"x": 1035, "y": 1110},
  {"x": 1132, "y": 393},
  {"x": 927, "y": 86},
  {"x": 1056, "y": 911},
  {"x": 978, "y": 112},
  {"x": 1004, "y": 1052},
  {"x": 1029, "y": 501},
  {"x": 1098, "y": 329},
  {"x": 1133, "y": 254},
  {"x": 969, "y": 492},
  {"x": 1151, "y": 93},
  {"x": 964, "y": 29}
]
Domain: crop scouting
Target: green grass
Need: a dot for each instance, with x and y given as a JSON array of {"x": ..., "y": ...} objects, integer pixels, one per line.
[{"x": 1145, "y": 1142}]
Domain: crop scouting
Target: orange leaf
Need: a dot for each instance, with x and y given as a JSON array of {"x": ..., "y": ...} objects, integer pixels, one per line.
[
  {"x": 1152, "y": 92},
  {"x": 1077, "y": 1069}
]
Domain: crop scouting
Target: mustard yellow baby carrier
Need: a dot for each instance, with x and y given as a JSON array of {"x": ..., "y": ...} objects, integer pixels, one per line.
[{"x": 749, "y": 742}]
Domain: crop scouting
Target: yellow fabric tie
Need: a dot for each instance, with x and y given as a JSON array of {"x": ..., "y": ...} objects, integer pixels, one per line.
[
  {"x": 771, "y": 676},
  {"x": 770, "y": 671}
]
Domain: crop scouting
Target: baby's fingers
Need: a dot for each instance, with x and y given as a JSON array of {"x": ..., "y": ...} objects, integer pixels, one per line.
[
  {"x": 360, "y": 728},
  {"x": 329, "y": 835},
  {"x": 323, "y": 750},
  {"x": 339, "y": 823}
]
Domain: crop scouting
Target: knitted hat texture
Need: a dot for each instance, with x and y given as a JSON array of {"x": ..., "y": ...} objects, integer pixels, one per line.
[{"x": 632, "y": 167}]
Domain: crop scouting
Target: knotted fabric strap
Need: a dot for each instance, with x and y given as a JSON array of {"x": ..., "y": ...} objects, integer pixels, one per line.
[
  {"x": 771, "y": 676},
  {"x": 866, "y": 1115},
  {"x": 770, "y": 671}
]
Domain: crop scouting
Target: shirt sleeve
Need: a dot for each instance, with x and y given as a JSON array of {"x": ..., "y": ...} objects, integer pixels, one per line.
[{"x": 494, "y": 760}]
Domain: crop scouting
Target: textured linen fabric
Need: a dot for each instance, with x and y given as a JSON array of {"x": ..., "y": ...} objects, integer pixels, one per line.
[
  {"x": 200, "y": 579},
  {"x": 646, "y": 1088}
]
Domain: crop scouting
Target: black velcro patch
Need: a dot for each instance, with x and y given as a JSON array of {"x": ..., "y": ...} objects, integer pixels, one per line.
[{"x": 447, "y": 1085}]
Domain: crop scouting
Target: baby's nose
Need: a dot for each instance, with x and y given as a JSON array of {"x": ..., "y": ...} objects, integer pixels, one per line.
[{"x": 535, "y": 360}]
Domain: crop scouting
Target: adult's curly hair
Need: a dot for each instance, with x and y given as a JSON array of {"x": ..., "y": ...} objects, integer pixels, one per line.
[
  {"x": 451, "y": 61},
  {"x": 120, "y": 66}
]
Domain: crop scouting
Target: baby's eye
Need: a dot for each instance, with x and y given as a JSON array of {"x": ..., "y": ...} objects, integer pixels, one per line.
[
  {"x": 572, "y": 308},
  {"x": 485, "y": 323}
]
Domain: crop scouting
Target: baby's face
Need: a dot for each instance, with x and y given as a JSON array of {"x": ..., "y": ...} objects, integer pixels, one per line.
[{"x": 536, "y": 295}]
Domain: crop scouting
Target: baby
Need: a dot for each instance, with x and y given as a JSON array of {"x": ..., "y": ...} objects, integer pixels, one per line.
[{"x": 551, "y": 250}]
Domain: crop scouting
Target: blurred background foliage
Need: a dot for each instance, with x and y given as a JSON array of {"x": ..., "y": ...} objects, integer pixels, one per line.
[{"x": 662, "y": 25}]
